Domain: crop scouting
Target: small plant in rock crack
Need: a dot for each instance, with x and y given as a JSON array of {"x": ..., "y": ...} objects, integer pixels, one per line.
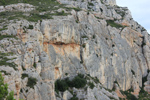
[{"x": 91, "y": 85}]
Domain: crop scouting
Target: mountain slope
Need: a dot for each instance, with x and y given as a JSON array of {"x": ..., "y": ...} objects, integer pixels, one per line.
[{"x": 96, "y": 43}]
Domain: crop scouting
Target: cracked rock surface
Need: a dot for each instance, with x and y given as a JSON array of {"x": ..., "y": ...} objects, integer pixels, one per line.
[{"x": 101, "y": 40}]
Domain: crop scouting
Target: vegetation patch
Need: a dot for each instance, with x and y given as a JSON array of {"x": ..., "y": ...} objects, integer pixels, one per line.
[
  {"x": 122, "y": 13},
  {"x": 34, "y": 65},
  {"x": 43, "y": 10},
  {"x": 61, "y": 85},
  {"x": 91, "y": 85},
  {"x": 83, "y": 45},
  {"x": 3, "y": 71},
  {"x": 31, "y": 82},
  {"x": 78, "y": 82},
  {"x": 74, "y": 98},
  {"x": 4, "y": 60},
  {"x": 4, "y": 28},
  {"x": 90, "y": 4},
  {"x": 113, "y": 24},
  {"x": 94, "y": 36},
  {"x": 30, "y": 27},
  {"x": 129, "y": 95},
  {"x": 102, "y": 2},
  {"x": 84, "y": 36},
  {"x": 70, "y": 8},
  {"x": 95, "y": 79},
  {"x": 76, "y": 9},
  {"x": 143, "y": 95},
  {"x": 4, "y": 90},
  {"x": 35, "y": 17},
  {"x": 24, "y": 75},
  {"x": 7, "y": 36},
  {"x": 132, "y": 72},
  {"x": 66, "y": 74},
  {"x": 62, "y": 13}
]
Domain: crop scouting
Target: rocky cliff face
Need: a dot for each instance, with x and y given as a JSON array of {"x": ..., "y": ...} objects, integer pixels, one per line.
[{"x": 96, "y": 38}]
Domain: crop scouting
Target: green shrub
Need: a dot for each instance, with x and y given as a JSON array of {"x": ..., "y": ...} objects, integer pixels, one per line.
[
  {"x": 113, "y": 45},
  {"x": 122, "y": 13},
  {"x": 91, "y": 85},
  {"x": 4, "y": 28},
  {"x": 3, "y": 2},
  {"x": 143, "y": 29},
  {"x": 81, "y": 75},
  {"x": 132, "y": 72},
  {"x": 6, "y": 36},
  {"x": 77, "y": 9},
  {"x": 3, "y": 88},
  {"x": 96, "y": 80},
  {"x": 81, "y": 61},
  {"x": 93, "y": 36},
  {"x": 79, "y": 82},
  {"x": 113, "y": 24},
  {"x": 102, "y": 2},
  {"x": 46, "y": 6},
  {"x": 10, "y": 96},
  {"x": 24, "y": 75},
  {"x": 31, "y": 82},
  {"x": 88, "y": 13},
  {"x": 4, "y": 60},
  {"x": 34, "y": 65},
  {"x": 5, "y": 72},
  {"x": 30, "y": 27},
  {"x": 61, "y": 85},
  {"x": 129, "y": 95},
  {"x": 74, "y": 98},
  {"x": 66, "y": 74},
  {"x": 143, "y": 95},
  {"x": 112, "y": 54},
  {"x": 84, "y": 36},
  {"x": 25, "y": 1},
  {"x": 90, "y": 4},
  {"x": 35, "y": 17},
  {"x": 60, "y": 13}
]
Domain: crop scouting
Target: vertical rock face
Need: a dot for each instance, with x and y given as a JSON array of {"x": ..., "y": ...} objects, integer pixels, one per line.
[
  {"x": 147, "y": 84},
  {"x": 97, "y": 39}
]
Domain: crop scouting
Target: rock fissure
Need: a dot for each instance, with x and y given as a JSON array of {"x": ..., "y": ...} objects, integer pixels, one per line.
[{"x": 142, "y": 46}]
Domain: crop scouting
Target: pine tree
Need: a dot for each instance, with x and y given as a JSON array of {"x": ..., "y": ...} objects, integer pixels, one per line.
[{"x": 3, "y": 88}]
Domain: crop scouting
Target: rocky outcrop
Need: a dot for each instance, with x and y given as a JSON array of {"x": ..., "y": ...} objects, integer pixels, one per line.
[
  {"x": 100, "y": 39},
  {"x": 109, "y": 2}
]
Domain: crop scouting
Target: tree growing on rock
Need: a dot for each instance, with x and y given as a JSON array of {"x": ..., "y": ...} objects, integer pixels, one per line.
[{"x": 4, "y": 90}]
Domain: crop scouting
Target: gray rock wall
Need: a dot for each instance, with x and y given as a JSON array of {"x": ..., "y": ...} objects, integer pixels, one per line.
[{"x": 83, "y": 42}]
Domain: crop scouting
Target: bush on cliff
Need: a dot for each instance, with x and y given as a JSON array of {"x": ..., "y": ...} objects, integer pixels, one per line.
[
  {"x": 4, "y": 90},
  {"x": 78, "y": 82}
]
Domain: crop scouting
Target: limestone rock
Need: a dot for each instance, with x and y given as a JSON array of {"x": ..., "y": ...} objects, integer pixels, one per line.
[{"x": 96, "y": 38}]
